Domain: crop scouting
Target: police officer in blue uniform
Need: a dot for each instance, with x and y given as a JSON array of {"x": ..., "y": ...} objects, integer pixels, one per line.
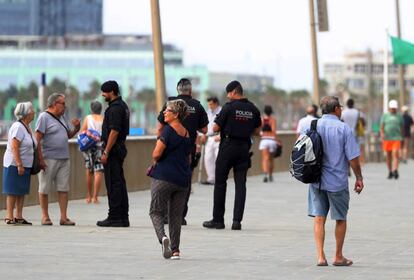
[
  {"x": 196, "y": 120},
  {"x": 115, "y": 128},
  {"x": 238, "y": 120}
]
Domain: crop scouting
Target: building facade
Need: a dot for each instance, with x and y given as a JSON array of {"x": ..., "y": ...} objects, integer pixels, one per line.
[
  {"x": 250, "y": 82},
  {"x": 362, "y": 72},
  {"x": 50, "y": 17}
]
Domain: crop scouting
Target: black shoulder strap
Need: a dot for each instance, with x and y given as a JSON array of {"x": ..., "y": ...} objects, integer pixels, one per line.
[
  {"x": 314, "y": 124},
  {"x": 67, "y": 130},
  {"x": 29, "y": 134}
]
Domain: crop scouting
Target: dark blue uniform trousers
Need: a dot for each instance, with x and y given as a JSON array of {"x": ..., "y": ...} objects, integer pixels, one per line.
[
  {"x": 232, "y": 154},
  {"x": 115, "y": 183}
]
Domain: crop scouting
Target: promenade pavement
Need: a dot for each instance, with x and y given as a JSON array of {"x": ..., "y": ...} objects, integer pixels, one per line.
[{"x": 276, "y": 241}]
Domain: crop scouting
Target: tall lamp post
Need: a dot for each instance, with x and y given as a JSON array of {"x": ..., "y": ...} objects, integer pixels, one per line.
[{"x": 160, "y": 91}]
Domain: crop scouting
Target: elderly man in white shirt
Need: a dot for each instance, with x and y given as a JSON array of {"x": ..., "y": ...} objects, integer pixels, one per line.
[
  {"x": 212, "y": 141},
  {"x": 304, "y": 123}
]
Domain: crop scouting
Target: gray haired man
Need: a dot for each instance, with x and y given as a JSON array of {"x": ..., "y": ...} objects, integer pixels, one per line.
[
  {"x": 332, "y": 194},
  {"x": 52, "y": 134}
]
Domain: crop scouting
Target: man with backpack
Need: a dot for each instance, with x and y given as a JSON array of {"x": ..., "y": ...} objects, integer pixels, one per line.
[{"x": 331, "y": 193}]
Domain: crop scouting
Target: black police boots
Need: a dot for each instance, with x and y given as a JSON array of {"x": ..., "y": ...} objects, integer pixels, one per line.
[
  {"x": 113, "y": 223},
  {"x": 236, "y": 225},
  {"x": 213, "y": 224}
]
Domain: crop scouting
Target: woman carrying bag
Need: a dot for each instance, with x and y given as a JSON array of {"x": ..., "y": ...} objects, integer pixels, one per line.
[{"x": 17, "y": 163}]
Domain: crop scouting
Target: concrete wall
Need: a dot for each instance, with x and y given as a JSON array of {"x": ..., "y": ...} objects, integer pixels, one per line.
[{"x": 135, "y": 166}]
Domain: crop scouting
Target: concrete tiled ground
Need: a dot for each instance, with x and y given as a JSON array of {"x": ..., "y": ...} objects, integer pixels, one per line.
[{"x": 276, "y": 241}]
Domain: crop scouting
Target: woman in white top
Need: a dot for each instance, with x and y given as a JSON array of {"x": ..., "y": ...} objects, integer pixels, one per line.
[
  {"x": 94, "y": 167},
  {"x": 17, "y": 162}
]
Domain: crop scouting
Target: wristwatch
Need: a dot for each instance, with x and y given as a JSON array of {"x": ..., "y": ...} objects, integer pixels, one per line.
[{"x": 105, "y": 153}]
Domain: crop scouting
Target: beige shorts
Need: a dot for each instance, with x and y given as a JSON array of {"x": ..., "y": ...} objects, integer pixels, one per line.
[{"x": 55, "y": 177}]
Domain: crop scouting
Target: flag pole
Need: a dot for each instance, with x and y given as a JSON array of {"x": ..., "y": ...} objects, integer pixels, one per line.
[{"x": 385, "y": 83}]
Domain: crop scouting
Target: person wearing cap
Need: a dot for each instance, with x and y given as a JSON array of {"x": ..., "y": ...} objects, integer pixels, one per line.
[
  {"x": 115, "y": 128},
  {"x": 237, "y": 121},
  {"x": 196, "y": 120},
  {"x": 408, "y": 123},
  {"x": 52, "y": 133},
  {"x": 391, "y": 132},
  {"x": 17, "y": 162}
]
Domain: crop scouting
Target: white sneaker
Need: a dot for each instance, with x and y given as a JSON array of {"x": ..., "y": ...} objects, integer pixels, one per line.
[
  {"x": 165, "y": 246},
  {"x": 175, "y": 256}
]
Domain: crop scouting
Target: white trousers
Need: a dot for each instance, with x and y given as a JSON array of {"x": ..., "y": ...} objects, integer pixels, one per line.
[{"x": 210, "y": 155}]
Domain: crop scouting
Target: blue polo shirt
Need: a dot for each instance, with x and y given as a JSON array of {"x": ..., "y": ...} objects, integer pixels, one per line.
[{"x": 339, "y": 147}]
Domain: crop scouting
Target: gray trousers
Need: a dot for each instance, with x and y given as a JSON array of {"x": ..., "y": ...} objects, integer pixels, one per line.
[{"x": 167, "y": 198}]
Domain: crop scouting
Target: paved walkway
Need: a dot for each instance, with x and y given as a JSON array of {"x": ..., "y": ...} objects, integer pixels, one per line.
[{"x": 276, "y": 241}]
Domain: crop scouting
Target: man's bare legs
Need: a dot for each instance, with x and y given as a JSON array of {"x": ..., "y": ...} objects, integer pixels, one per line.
[
  {"x": 44, "y": 205},
  {"x": 340, "y": 231},
  {"x": 63, "y": 205},
  {"x": 319, "y": 231}
]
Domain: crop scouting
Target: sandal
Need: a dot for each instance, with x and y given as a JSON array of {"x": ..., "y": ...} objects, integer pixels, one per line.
[
  {"x": 22, "y": 222},
  {"x": 47, "y": 222},
  {"x": 67, "y": 222},
  {"x": 10, "y": 222}
]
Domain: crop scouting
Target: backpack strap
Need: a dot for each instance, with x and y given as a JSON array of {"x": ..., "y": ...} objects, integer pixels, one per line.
[{"x": 314, "y": 124}]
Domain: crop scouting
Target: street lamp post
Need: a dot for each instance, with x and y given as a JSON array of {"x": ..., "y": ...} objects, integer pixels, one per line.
[{"x": 160, "y": 91}]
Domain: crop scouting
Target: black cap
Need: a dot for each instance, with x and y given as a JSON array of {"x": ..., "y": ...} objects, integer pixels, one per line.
[
  {"x": 233, "y": 85},
  {"x": 109, "y": 86}
]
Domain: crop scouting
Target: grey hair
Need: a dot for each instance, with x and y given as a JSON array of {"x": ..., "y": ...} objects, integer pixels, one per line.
[
  {"x": 53, "y": 97},
  {"x": 184, "y": 86},
  {"x": 329, "y": 103},
  {"x": 22, "y": 110},
  {"x": 96, "y": 107},
  {"x": 180, "y": 107}
]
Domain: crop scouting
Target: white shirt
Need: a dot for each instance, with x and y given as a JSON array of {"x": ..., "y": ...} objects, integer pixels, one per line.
[
  {"x": 211, "y": 117},
  {"x": 18, "y": 131},
  {"x": 350, "y": 117},
  {"x": 304, "y": 124}
]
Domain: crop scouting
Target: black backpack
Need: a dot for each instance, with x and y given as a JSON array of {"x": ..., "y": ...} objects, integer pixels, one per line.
[{"x": 306, "y": 158}]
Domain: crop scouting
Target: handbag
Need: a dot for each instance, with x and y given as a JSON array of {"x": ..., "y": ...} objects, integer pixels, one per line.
[
  {"x": 36, "y": 162},
  {"x": 150, "y": 170},
  {"x": 278, "y": 151}
]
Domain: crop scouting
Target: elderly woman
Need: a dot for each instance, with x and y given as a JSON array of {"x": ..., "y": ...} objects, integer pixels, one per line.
[
  {"x": 93, "y": 164},
  {"x": 17, "y": 161},
  {"x": 171, "y": 175}
]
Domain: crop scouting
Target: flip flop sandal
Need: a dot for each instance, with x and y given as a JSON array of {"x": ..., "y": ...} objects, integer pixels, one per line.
[
  {"x": 47, "y": 222},
  {"x": 22, "y": 222},
  {"x": 67, "y": 223},
  {"x": 10, "y": 222},
  {"x": 344, "y": 262}
]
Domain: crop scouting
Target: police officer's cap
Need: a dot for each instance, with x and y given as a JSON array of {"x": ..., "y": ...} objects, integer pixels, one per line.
[
  {"x": 109, "y": 86},
  {"x": 233, "y": 85}
]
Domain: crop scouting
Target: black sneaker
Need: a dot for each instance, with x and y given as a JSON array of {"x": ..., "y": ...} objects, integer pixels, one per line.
[
  {"x": 213, "y": 224},
  {"x": 270, "y": 178},
  {"x": 396, "y": 175},
  {"x": 265, "y": 179},
  {"x": 390, "y": 175},
  {"x": 113, "y": 223},
  {"x": 236, "y": 225}
]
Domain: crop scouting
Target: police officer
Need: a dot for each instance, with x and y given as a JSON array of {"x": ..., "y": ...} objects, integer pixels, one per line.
[
  {"x": 115, "y": 128},
  {"x": 236, "y": 122},
  {"x": 196, "y": 120}
]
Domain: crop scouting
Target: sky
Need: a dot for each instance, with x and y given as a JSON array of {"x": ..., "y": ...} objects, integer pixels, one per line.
[{"x": 269, "y": 37}]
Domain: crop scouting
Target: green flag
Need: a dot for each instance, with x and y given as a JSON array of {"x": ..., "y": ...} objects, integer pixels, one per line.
[{"x": 402, "y": 51}]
